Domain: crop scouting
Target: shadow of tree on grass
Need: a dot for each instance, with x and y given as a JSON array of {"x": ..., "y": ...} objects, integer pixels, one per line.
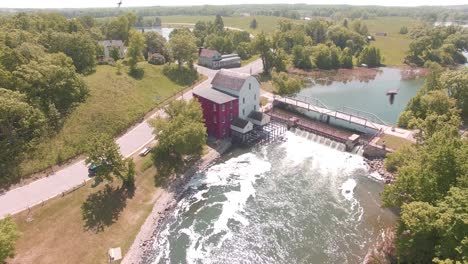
[{"x": 101, "y": 209}]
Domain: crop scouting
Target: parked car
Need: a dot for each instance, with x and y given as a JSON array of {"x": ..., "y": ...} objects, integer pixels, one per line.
[
  {"x": 145, "y": 151},
  {"x": 92, "y": 169}
]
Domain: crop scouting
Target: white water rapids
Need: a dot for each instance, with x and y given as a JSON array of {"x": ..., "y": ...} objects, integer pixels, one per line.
[{"x": 299, "y": 201}]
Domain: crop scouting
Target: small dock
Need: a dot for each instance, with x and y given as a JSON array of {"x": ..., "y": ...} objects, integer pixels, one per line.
[{"x": 267, "y": 133}]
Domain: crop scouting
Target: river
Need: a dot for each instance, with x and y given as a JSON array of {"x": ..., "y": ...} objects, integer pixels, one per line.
[
  {"x": 297, "y": 201},
  {"x": 369, "y": 96}
]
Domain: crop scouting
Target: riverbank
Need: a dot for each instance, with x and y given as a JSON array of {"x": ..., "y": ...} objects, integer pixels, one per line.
[
  {"x": 168, "y": 198},
  {"x": 377, "y": 166}
]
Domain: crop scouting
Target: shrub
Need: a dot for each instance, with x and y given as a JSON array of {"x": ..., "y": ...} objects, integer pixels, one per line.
[
  {"x": 157, "y": 59},
  {"x": 181, "y": 75}
]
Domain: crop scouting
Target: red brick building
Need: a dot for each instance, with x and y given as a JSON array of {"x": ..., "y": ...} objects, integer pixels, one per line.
[{"x": 219, "y": 109}]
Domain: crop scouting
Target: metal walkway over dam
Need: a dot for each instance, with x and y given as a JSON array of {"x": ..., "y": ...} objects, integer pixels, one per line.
[{"x": 357, "y": 117}]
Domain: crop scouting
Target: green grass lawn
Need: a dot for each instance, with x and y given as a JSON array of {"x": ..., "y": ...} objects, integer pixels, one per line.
[
  {"x": 264, "y": 23},
  {"x": 56, "y": 231},
  {"x": 115, "y": 103},
  {"x": 393, "y": 142},
  {"x": 252, "y": 59},
  {"x": 394, "y": 46}
]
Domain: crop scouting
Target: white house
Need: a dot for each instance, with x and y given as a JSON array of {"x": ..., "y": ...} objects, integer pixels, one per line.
[
  {"x": 214, "y": 60},
  {"x": 108, "y": 44},
  {"x": 243, "y": 86}
]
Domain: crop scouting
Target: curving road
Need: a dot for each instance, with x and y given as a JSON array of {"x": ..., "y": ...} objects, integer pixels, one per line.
[{"x": 22, "y": 198}]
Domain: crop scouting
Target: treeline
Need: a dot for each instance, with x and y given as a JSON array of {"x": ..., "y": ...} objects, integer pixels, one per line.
[
  {"x": 318, "y": 44},
  {"x": 431, "y": 187},
  {"x": 443, "y": 45},
  {"x": 213, "y": 35},
  {"x": 427, "y": 13},
  {"x": 42, "y": 60}
]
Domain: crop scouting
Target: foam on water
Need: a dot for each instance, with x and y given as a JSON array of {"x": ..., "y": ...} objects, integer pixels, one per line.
[{"x": 215, "y": 221}]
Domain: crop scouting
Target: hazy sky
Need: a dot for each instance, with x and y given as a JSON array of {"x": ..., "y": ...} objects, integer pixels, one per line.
[{"x": 111, "y": 3}]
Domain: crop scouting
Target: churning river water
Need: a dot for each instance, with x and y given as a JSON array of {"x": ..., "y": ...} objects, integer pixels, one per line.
[{"x": 297, "y": 201}]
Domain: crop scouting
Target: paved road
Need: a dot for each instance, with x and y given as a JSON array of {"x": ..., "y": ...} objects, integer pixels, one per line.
[{"x": 21, "y": 198}]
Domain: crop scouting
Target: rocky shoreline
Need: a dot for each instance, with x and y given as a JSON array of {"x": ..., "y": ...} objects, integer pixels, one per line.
[
  {"x": 164, "y": 205},
  {"x": 377, "y": 165}
]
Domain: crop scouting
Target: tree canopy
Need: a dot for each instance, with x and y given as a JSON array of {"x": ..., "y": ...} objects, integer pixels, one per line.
[
  {"x": 8, "y": 237},
  {"x": 182, "y": 134}
]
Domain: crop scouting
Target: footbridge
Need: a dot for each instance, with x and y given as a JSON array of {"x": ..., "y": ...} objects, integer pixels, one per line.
[{"x": 354, "y": 116}]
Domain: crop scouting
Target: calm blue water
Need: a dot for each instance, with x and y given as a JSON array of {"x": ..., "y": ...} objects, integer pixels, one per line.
[{"x": 369, "y": 96}]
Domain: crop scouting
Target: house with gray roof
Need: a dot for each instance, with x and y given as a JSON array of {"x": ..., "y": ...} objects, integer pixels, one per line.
[
  {"x": 108, "y": 44},
  {"x": 214, "y": 60}
]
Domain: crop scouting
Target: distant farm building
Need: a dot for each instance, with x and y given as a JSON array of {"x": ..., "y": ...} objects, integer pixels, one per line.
[
  {"x": 231, "y": 104},
  {"x": 109, "y": 44},
  {"x": 214, "y": 60}
]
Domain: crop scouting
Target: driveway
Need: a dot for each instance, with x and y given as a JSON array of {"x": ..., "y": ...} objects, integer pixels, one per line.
[{"x": 36, "y": 192}]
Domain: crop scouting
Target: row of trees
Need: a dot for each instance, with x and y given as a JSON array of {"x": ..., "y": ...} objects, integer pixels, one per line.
[
  {"x": 443, "y": 45},
  {"x": 41, "y": 58},
  {"x": 318, "y": 44},
  {"x": 431, "y": 187}
]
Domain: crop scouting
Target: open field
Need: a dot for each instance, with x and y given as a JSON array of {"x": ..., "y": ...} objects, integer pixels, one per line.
[
  {"x": 393, "y": 142},
  {"x": 57, "y": 232},
  {"x": 264, "y": 23},
  {"x": 394, "y": 46},
  {"x": 115, "y": 103}
]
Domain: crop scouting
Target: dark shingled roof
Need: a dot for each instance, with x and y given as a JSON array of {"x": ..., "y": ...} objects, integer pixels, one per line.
[
  {"x": 239, "y": 122},
  {"x": 256, "y": 115},
  {"x": 213, "y": 95},
  {"x": 207, "y": 53},
  {"x": 229, "y": 80}
]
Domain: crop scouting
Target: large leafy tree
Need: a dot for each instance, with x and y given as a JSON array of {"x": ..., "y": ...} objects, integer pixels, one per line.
[
  {"x": 20, "y": 127},
  {"x": 155, "y": 43},
  {"x": 182, "y": 134},
  {"x": 135, "y": 49},
  {"x": 370, "y": 56},
  {"x": 8, "y": 236},
  {"x": 183, "y": 47},
  {"x": 78, "y": 46},
  {"x": 52, "y": 84},
  {"x": 286, "y": 85},
  {"x": 103, "y": 153}
]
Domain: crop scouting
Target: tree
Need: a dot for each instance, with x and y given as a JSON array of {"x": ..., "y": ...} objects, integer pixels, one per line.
[
  {"x": 21, "y": 125},
  {"x": 427, "y": 231},
  {"x": 183, "y": 48},
  {"x": 114, "y": 53},
  {"x": 135, "y": 50},
  {"x": 403, "y": 30},
  {"x": 253, "y": 24},
  {"x": 157, "y": 22},
  {"x": 155, "y": 43},
  {"x": 301, "y": 58},
  {"x": 317, "y": 30},
  {"x": 244, "y": 50},
  {"x": 370, "y": 56},
  {"x": 52, "y": 84},
  {"x": 286, "y": 85},
  {"x": 346, "y": 59},
  {"x": 262, "y": 45},
  {"x": 456, "y": 84},
  {"x": 103, "y": 153},
  {"x": 78, "y": 46},
  {"x": 218, "y": 24},
  {"x": 118, "y": 28},
  {"x": 182, "y": 134},
  {"x": 8, "y": 237}
]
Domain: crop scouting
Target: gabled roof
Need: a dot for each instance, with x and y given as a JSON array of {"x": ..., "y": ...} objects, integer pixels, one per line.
[
  {"x": 256, "y": 115},
  {"x": 208, "y": 53},
  {"x": 112, "y": 42},
  {"x": 229, "y": 80},
  {"x": 239, "y": 122},
  {"x": 213, "y": 95}
]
